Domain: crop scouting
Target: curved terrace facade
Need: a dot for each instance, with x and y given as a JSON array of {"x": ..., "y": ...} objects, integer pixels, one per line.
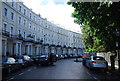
[{"x": 25, "y": 32}]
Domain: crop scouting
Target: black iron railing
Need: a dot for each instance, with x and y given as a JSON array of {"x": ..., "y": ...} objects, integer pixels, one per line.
[{"x": 5, "y": 33}]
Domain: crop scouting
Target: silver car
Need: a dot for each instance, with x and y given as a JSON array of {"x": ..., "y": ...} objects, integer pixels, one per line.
[{"x": 96, "y": 62}]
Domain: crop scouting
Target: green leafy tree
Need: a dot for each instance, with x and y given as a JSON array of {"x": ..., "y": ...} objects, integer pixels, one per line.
[{"x": 99, "y": 22}]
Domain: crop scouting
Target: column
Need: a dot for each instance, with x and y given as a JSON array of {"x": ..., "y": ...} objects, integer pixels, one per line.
[
  {"x": 46, "y": 49},
  {"x": 37, "y": 50},
  {"x": 20, "y": 49},
  {"x": 11, "y": 48},
  {"x": 28, "y": 51},
  {"x": 5, "y": 47},
  {"x": 52, "y": 50},
  {"x": 31, "y": 50},
  {"x": 16, "y": 49},
  {"x": 40, "y": 49}
]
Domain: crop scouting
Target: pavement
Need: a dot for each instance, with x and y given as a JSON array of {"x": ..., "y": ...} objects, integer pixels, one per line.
[{"x": 114, "y": 71}]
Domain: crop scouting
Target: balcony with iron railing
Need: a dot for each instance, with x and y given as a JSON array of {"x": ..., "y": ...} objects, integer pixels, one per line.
[
  {"x": 58, "y": 46},
  {"x": 19, "y": 36},
  {"x": 5, "y": 33},
  {"x": 29, "y": 39},
  {"x": 52, "y": 45}
]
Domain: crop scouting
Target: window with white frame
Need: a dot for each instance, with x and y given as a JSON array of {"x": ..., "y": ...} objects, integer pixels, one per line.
[
  {"x": 42, "y": 30},
  {"x": 29, "y": 25},
  {"x": 38, "y": 20},
  {"x": 34, "y": 27},
  {"x": 39, "y": 29},
  {"x": 24, "y": 35},
  {"x": 12, "y": 3},
  {"x": 19, "y": 20},
  {"x": 19, "y": 31},
  {"x": 12, "y": 16},
  {"x": 24, "y": 22},
  {"x": 35, "y": 37},
  {"x": 30, "y": 15},
  {"x": 20, "y": 8},
  {"x": 5, "y": 11},
  {"x": 4, "y": 26},
  {"x": 24, "y": 11},
  {"x": 11, "y": 30},
  {"x": 34, "y": 18}
]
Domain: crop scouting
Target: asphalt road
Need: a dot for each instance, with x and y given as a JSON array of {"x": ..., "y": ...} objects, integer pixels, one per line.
[{"x": 62, "y": 69}]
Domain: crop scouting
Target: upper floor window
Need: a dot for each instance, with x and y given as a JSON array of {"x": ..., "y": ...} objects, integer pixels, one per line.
[
  {"x": 33, "y": 27},
  {"x": 12, "y": 15},
  {"x": 24, "y": 22},
  {"x": 19, "y": 31},
  {"x": 24, "y": 34},
  {"x": 20, "y": 8},
  {"x": 30, "y": 15},
  {"x": 11, "y": 31},
  {"x": 39, "y": 29},
  {"x": 34, "y": 18},
  {"x": 24, "y": 12},
  {"x": 4, "y": 27},
  {"x": 42, "y": 30},
  {"x": 38, "y": 20},
  {"x": 19, "y": 20},
  {"x": 12, "y": 3},
  {"x": 30, "y": 25},
  {"x": 5, "y": 11}
]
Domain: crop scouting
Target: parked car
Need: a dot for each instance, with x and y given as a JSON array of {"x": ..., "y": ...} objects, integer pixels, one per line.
[
  {"x": 34, "y": 59},
  {"x": 20, "y": 62},
  {"x": 71, "y": 55},
  {"x": 84, "y": 59},
  {"x": 65, "y": 56},
  {"x": 96, "y": 62},
  {"x": 61, "y": 57},
  {"x": 9, "y": 64},
  {"x": 27, "y": 60},
  {"x": 42, "y": 60},
  {"x": 58, "y": 57},
  {"x": 45, "y": 59}
]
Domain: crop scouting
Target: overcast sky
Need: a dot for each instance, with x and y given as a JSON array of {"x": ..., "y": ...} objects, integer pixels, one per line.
[{"x": 54, "y": 10}]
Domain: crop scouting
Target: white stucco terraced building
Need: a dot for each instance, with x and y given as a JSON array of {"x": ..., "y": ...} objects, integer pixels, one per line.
[{"x": 25, "y": 32}]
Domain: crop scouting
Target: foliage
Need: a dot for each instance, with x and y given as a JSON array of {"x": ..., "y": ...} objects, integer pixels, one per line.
[{"x": 99, "y": 22}]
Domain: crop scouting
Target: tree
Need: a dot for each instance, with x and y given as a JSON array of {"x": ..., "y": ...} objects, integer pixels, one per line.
[{"x": 99, "y": 22}]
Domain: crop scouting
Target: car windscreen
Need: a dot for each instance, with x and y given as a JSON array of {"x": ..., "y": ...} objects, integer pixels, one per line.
[
  {"x": 98, "y": 58},
  {"x": 43, "y": 57}
]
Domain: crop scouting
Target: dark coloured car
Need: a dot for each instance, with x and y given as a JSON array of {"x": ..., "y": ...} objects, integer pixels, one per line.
[
  {"x": 85, "y": 59},
  {"x": 43, "y": 60},
  {"x": 34, "y": 59},
  {"x": 27, "y": 60},
  {"x": 9, "y": 64},
  {"x": 20, "y": 62}
]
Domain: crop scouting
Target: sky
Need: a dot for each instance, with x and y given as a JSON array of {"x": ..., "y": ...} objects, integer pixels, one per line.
[{"x": 56, "y": 11}]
